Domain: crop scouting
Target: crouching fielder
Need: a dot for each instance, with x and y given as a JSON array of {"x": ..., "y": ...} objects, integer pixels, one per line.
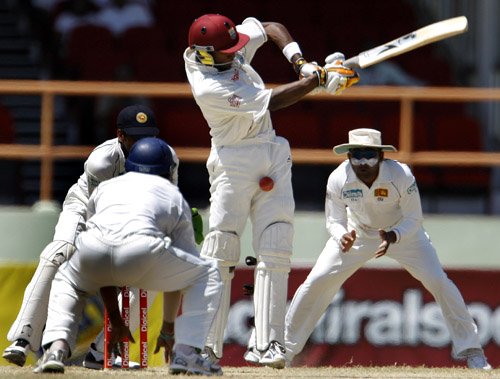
[
  {"x": 105, "y": 162},
  {"x": 373, "y": 209},
  {"x": 139, "y": 234}
]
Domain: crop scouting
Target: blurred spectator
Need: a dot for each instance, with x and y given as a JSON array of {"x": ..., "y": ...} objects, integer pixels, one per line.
[
  {"x": 74, "y": 13},
  {"x": 388, "y": 73},
  {"x": 121, "y": 15},
  {"x": 47, "y": 6}
]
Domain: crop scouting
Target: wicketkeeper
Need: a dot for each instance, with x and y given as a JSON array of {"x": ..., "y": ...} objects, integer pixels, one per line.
[
  {"x": 139, "y": 234},
  {"x": 105, "y": 162}
]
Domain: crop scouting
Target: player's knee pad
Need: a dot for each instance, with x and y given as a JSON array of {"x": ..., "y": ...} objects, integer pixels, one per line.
[
  {"x": 222, "y": 246},
  {"x": 277, "y": 237},
  {"x": 57, "y": 252},
  {"x": 271, "y": 283}
]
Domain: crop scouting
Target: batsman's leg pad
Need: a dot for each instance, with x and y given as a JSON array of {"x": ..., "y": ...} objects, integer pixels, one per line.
[
  {"x": 224, "y": 247},
  {"x": 33, "y": 313},
  {"x": 271, "y": 284}
]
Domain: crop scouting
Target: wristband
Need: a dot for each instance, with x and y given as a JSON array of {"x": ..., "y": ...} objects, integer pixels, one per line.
[
  {"x": 298, "y": 64},
  {"x": 167, "y": 337},
  {"x": 290, "y": 50}
]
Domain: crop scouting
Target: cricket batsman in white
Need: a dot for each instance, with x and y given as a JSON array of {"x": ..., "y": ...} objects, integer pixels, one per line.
[{"x": 237, "y": 105}]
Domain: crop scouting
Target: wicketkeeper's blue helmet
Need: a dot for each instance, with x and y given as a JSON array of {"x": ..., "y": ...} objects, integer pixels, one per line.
[{"x": 151, "y": 155}]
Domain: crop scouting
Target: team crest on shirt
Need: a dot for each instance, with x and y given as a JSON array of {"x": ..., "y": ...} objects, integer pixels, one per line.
[
  {"x": 236, "y": 75},
  {"x": 381, "y": 192},
  {"x": 234, "y": 101},
  {"x": 352, "y": 194}
]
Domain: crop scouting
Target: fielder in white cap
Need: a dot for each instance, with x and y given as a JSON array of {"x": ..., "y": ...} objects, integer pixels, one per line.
[{"x": 373, "y": 209}]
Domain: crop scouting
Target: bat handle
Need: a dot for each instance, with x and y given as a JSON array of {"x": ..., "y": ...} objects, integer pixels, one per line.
[{"x": 352, "y": 63}]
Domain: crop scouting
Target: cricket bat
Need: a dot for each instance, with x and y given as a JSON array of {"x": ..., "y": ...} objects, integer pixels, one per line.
[{"x": 411, "y": 41}]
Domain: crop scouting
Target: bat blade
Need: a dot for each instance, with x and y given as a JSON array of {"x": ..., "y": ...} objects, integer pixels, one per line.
[{"x": 411, "y": 41}]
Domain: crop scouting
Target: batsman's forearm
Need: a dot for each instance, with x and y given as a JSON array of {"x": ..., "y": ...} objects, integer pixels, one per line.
[
  {"x": 277, "y": 33},
  {"x": 288, "y": 94}
]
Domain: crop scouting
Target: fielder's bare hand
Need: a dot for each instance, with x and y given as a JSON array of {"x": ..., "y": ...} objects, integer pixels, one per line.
[
  {"x": 119, "y": 331},
  {"x": 347, "y": 241},
  {"x": 166, "y": 340},
  {"x": 387, "y": 239}
]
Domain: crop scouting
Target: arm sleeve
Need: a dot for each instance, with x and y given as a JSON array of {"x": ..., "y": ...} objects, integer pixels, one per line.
[
  {"x": 91, "y": 205},
  {"x": 98, "y": 169},
  {"x": 182, "y": 235},
  {"x": 335, "y": 209},
  {"x": 175, "y": 173},
  {"x": 254, "y": 29},
  {"x": 410, "y": 205}
]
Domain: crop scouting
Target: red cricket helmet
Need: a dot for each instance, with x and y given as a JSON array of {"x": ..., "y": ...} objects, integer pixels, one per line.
[{"x": 214, "y": 32}]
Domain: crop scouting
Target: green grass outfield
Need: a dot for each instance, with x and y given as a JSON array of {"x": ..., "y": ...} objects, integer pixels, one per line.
[{"x": 403, "y": 372}]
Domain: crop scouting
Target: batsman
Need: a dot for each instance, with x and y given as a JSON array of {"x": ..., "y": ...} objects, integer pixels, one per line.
[{"x": 245, "y": 149}]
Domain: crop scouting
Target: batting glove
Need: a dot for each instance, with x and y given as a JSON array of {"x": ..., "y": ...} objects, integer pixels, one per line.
[
  {"x": 305, "y": 69},
  {"x": 335, "y": 68}
]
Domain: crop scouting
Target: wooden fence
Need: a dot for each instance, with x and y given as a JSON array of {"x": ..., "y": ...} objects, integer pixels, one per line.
[{"x": 47, "y": 152}]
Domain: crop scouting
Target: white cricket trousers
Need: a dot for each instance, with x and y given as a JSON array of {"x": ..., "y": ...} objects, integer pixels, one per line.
[
  {"x": 139, "y": 261},
  {"x": 334, "y": 267}
]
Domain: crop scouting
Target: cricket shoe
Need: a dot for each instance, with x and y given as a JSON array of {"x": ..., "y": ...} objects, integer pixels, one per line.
[
  {"x": 209, "y": 354},
  {"x": 94, "y": 360},
  {"x": 274, "y": 356},
  {"x": 51, "y": 362},
  {"x": 478, "y": 360},
  {"x": 193, "y": 364},
  {"x": 252, "y": 355},
  {"x": 17, "y": 352}
]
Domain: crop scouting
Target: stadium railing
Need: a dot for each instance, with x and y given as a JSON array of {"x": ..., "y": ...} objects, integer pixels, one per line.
[{"x": 47, "y": 152}]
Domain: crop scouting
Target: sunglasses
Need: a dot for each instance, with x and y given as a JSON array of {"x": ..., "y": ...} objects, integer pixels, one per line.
[{"x": 364, "y": 157}]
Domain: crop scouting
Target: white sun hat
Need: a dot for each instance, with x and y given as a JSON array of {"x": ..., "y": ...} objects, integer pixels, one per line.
[{"x": 361, "y": 138}]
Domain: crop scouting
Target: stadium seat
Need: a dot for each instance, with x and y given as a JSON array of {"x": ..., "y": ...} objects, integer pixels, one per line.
[
  {"x": 156, "y": 66},
  {"x": 181, "y": 123},
  {"x": 459, "y": 132},
  {"x": 340, "y": 123},
  {"x": 104, "y": 66},
  {"x": 88, "y": 40},
  {"x": 300, "y": 127},
  {"x": 141, "y": 38}
]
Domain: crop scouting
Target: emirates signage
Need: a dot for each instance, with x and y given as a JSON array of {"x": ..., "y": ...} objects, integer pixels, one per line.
[{"x": 380, "y": 317}]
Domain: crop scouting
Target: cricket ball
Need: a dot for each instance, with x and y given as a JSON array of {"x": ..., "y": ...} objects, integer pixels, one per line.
[{"x": 266, "y": 184}]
